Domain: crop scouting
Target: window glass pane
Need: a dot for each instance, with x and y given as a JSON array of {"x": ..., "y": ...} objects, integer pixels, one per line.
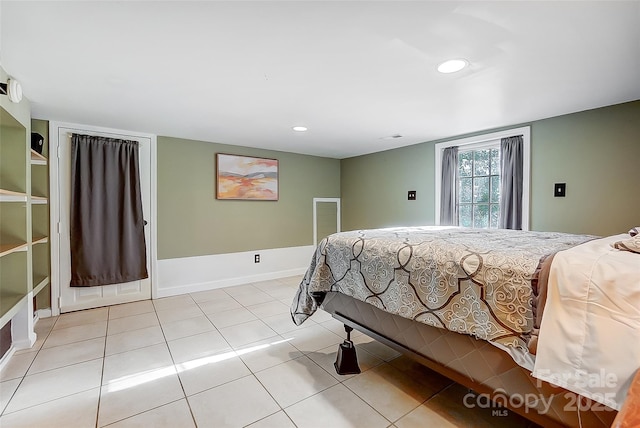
[
  {"x": 466, "y": 190},
  {"x": 465, "y": 164},
  {"x": 494, "y": 216},
  {"x": 481, "y": 189},
  {"x": 495, "y": 161},
  {"x": 481, "y": 216},
  {"x": 481, "y": 162},
  {"x": 495, "y": 189},
  {"x": 464, "y": 213}
]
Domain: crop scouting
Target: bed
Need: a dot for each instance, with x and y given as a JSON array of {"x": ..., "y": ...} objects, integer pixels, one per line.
[{"x": 474, "y": 305}]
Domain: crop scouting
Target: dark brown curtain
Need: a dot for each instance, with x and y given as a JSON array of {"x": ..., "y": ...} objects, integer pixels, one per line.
[
  {"x": 107, "y": 223},
  {"x": 449, "y": 187},
  {"x": 512, "y": 175}
]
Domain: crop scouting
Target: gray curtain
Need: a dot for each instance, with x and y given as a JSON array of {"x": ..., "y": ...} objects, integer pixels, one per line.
[
  {"x": 512, "y": 158},
  {"x": 107, "y": 224},
  {"x": 449, "y": 187}
]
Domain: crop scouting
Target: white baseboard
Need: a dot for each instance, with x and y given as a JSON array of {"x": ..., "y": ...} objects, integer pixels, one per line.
[
  {"x": 42, "y": 313},
  {"x": 201, "y": 273},
  {"x": 25, "y": 343}
]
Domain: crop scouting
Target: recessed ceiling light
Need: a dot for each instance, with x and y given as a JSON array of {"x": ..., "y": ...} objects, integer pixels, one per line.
[
  {"x": 299, "y": 128},
  {"x": 452, "y": 65}
]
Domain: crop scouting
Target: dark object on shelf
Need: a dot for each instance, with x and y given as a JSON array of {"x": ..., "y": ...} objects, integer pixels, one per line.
[{"x": 37, "y": 142}]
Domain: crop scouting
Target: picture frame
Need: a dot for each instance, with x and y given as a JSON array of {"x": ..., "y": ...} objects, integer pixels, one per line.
[{"x": 247, "y": 178}]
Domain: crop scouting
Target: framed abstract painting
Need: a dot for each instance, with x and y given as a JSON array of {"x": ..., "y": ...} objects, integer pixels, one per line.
[{"x": 246, "y": 178}]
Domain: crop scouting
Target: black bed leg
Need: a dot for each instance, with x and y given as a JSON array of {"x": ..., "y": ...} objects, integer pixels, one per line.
[
  {"x": 347, "y": 361},
  {"x": 318, "y": 296}
]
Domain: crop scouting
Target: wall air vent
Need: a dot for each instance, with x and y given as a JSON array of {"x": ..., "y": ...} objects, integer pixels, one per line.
[{"x": 12, "y": 89}]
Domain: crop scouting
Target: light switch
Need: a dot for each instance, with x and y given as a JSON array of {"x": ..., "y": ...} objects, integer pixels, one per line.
[{"x": 559, "y": 190}]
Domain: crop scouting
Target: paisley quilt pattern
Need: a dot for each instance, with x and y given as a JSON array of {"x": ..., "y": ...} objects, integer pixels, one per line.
[{"x": 471, "y": 281}]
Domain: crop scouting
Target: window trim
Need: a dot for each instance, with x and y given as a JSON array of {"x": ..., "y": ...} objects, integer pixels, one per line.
[{"x": 482, "y": 140}]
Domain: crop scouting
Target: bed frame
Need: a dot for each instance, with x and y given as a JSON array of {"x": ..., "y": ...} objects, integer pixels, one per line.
[{"x": 474, "y": 363}]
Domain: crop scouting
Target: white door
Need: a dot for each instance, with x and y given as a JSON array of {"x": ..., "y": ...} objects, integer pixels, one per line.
[{"x": 76, "y": 298}]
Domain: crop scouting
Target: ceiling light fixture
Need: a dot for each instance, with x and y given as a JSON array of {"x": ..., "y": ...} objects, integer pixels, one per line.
[
  {"x": 299, "y": 128},
  {"x": 452, "y": 65},
  {"x": 12, "y": 89}
]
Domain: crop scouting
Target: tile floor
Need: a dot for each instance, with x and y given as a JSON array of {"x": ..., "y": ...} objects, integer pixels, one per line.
[{"x": 223, "y": 358}]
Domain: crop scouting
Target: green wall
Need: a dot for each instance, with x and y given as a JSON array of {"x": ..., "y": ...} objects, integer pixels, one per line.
[
  {"x": 596, "y": 152},
  {"x": 326, "y": 217},
  {"x": 191, "y": 222},
  {"x": 374, "y": 188}
]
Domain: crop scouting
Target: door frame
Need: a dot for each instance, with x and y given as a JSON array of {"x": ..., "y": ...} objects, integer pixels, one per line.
[
  {"x": 54, "y": 204},
  {"x": 315, "y": 215}
]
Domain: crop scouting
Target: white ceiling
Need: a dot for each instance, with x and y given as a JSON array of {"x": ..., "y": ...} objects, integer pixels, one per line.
[{"x": 243, "y": 73}]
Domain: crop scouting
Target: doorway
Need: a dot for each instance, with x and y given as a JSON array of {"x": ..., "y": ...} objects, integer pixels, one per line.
[
  {"x": 64, "y": 297},
  {"x": 326, "y": 218}
]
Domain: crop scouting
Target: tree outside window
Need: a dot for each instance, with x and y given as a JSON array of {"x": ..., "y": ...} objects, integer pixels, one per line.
[{"x": 479, "y": 188}]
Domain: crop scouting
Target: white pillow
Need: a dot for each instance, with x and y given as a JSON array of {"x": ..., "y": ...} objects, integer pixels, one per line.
[{"x": 632, "y": 244}]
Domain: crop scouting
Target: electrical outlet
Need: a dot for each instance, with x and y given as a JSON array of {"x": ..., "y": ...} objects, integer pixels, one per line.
[
  {"x": 411, "y": 195},
  {"x": 256, "y": 258}
]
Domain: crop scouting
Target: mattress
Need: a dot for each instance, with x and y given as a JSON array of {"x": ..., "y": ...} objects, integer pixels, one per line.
[
  {"x": 474, "y": 281},
  {"x": 473, "y": 363}
]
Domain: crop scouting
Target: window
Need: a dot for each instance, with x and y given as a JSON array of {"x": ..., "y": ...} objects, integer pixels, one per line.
[
  {"x": 479, "y": 178},
  {"x": 479, "y": 187}
]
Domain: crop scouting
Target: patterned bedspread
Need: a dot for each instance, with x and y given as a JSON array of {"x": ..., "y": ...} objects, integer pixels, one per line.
[{"x": 472, "y": 281}]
